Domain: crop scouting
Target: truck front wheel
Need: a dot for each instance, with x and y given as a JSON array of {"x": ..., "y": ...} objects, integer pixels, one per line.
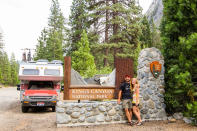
[
  {"x": 24, "y": 109},
  {"x": 53, "y": 109}
]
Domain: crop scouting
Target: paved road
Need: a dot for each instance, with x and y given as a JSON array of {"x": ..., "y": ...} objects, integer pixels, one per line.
[{"x": 12, "y": 119}]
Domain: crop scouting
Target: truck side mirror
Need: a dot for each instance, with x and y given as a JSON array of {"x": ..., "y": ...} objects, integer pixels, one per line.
[
  {"x": 18, "y": 87},
  {"x": 62, "y": 88}
]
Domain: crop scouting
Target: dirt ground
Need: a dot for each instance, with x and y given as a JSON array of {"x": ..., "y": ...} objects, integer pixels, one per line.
[{"x": 12, "y": 119}]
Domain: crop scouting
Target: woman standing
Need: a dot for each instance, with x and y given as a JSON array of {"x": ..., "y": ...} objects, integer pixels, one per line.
[{"x": 136, "y": 100}]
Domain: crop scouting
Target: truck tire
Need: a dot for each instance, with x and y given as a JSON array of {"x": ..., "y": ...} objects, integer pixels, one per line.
[
  {"x": 53, "y": 109},
  {"x": 24, "y": 109}
]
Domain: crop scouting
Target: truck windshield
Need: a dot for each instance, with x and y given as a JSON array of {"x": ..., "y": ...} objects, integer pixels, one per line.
[{"x": 41, "y": 85}]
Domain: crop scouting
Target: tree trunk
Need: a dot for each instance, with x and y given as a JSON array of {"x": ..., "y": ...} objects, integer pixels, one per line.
[
  {"x": 106, "y": 34},
  {"x": 115, "y": 31}
]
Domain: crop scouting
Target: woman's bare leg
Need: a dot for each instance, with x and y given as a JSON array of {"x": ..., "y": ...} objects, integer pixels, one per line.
[{"x": 137, "y": 113}]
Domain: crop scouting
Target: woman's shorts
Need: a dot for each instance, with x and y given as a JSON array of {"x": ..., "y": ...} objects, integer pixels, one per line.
[{"x": 127, "y": 103}]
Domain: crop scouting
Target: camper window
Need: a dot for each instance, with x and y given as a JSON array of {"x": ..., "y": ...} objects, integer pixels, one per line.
[
  {"x": 52, "y": 72},
  {"x": 30, "y": 72}
]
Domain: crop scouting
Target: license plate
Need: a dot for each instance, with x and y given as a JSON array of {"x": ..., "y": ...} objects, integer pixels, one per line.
[{"x": 40, "y": 103}]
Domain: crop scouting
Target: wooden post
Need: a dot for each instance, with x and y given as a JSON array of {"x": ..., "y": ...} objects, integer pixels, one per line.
[
  {"x": 67, "y": 76},
  {"x": 124, "y": 66}
]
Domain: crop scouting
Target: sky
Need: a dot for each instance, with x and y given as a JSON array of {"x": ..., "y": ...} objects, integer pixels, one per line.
[{"x": 21, "y": 21}]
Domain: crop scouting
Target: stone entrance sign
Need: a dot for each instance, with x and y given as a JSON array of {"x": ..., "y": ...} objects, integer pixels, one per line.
[
  {"x": 89, "y": 93},
  {"x": 152, "y": 91}
]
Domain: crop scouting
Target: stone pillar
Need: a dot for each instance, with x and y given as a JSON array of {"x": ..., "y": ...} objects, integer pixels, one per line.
[{"x": 151, "y": 88}]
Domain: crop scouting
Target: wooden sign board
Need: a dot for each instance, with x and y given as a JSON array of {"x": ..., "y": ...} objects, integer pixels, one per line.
[{"x": 91, "y": 93}]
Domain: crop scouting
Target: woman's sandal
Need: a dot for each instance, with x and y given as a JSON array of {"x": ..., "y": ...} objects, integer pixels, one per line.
[
  {"x": 139, "y": 124},
  {"x": 130, "y": 123}
]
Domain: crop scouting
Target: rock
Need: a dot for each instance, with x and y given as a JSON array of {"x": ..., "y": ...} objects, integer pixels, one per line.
[
  {"x": 161, "y": 91},
  {"x": 178, "y": 116},
  {"x": 95, "y": 112},
  {"x": 89, "y": 108},
  {"x": 75, "y": 109},
  {"x": 147, "y": 116},
  {"x": 88, "y": 114},
  {"x": 161, "y": 114},
  {"x": 74, "y": 120},
  {"x": 59, "y": 104},
  {"x": 158, "y": 105},
  {"x": 75, "y": 114},
  {"x": 108, "y": 119},
  {"x": 117, "y": 108},
  {"x": 60, "y": 110},
  {"x": 112, "y": 112},
  {"x": 161, "y": 100},
  {"x": 91, "y": 119},
  {"x": 100, "y": 118},
  {"x": 82, "y": 111},
  {"x": 68, "y": 111},
  {"x": 80, "y": 105},
  {"x": 102, "y": 108},
  {"x": 63, "y": 118},
  {"x": 121, "y": 113},
  {"x": 81, "y": 119},
  {"x": 95, "y": 105},
  {"x": 108, "y": 108},
  {"x": 116, "y": 118},
  {"x": 187, "y": 120},
  {"x": 155, "y": 111},
  {"x": 151, "y": 104},
  {"x": 146, "y": 97},
  {"x": 144, "y": 111},
  {"x": 169, "y": 117}
]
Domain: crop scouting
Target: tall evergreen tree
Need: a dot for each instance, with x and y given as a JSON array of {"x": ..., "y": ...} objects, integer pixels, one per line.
[
  {"x": 145, "y": 37},
  {"x": 14, "y": 70},
  {"x": 41, "y": 46},
  {"x": 52, "y": 39},
  {"x": 178, "y": 24},
  {"x": 6, "y": 70},
  {"x": 1, "y": 57},
  {"x": 78, "y": 22},
  {"x": 121, "y": 22},
  {"x": 82, "y": 60}
]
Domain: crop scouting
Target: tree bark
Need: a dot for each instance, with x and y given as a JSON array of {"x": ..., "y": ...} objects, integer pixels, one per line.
[{"x": 106, "y": 34}]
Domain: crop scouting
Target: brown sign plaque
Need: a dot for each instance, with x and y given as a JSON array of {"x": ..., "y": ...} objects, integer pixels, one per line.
[
  {"x": 155, "y": 68},
  {"x": 90, "y": 94}
]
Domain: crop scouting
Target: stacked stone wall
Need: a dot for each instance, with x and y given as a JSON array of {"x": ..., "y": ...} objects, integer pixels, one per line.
[{"x": 151, "y": 89}]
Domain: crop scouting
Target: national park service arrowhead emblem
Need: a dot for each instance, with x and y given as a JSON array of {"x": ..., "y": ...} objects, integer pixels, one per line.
[{"x": 155, "y": 68}]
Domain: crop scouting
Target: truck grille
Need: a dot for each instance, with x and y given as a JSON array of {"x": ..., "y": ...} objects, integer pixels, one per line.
[{"x": 40, "y": 97}]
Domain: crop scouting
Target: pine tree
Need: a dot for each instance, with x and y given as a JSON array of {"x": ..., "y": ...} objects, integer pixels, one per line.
[
  {"x": 41, "y": 46},
  {"x": 6, "y": 70},
  {"x": 178, "y": 26},
  {"x": 1, "y": 57},
  {"x": 146, "y": 38},
  {"x": 82, "y": 60},
  {"x": 14, "y": 70},
  {"x": 78, "y": 22},
  {"x": 121, "y": 22},
  {"x": 52, "y": 39}
]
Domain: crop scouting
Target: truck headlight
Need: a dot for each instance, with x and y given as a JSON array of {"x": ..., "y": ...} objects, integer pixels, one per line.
[
  {"x": 54, "y": 97},
  {"x": 25, "y": 97}
]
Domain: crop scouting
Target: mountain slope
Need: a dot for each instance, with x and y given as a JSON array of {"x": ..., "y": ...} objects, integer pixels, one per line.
[{"x": 155, "y": 12}]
